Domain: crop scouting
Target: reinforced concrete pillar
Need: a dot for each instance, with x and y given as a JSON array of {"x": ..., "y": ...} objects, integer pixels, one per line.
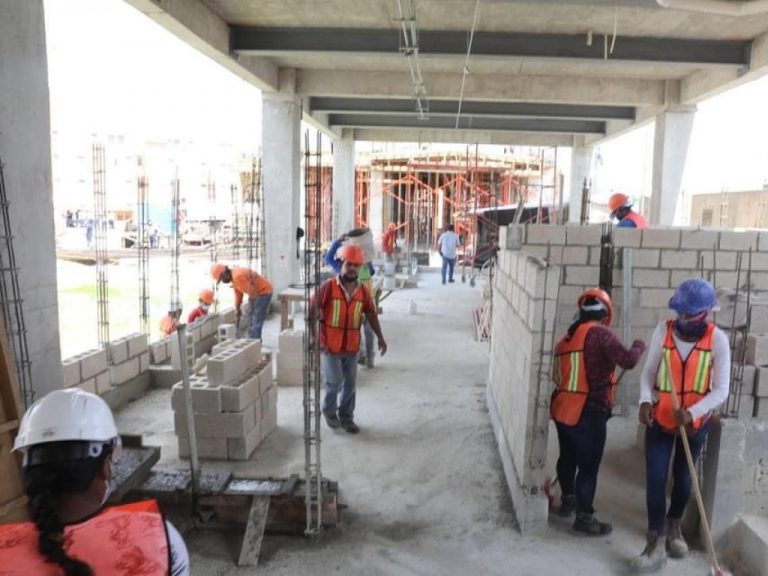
[
  {"x": 581, "y": 162},
  {"x": 25, "y": 150},
  {"x": 280, "y": 162},
  {"x": 670, "y": 150},
  {"x": 344, "y": 183},
  {"x": 376, "y": 206}
]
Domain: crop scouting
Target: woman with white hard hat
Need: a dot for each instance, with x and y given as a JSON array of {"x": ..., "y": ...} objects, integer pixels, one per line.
[
  {"x": 693, "y": 355},
  {"x": 70, "y": 441}
]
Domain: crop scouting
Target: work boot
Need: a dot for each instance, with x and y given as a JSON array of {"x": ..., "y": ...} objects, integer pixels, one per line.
[
  {"x": 350, "y": 426},
  {"x": 361, "y": 360},
  {"x": 369, "y": 362},
  {"x": 332, "y": 420},
  {"x": 591, "y": 526},
  {"x": 653, "y": 558},
  {"x": 676, "y": 545},
  {"x": 567, "y": 505}
]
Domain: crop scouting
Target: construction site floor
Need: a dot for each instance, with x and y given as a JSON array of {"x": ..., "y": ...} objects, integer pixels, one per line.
[{"x": 423, "y": 481}]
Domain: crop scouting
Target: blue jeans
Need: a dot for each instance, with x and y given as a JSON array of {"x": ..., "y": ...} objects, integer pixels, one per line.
[
  {"x": 340, "y": 371},
  {"x": 370, "y": 349},
  {"x": 581, "y": 451},
  {"x": 259, "y": 309},
  {"x": 658, "y": 451},
  {"x": 448, "y": 264}
]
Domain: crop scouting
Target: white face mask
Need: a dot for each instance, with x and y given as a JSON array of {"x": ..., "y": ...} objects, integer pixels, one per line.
[{"x": 204, "y": 307}]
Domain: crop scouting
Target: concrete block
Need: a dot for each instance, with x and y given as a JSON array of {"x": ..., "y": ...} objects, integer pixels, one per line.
[
  {"x": 118, "y": 351},
  {"x": 265, "y": 401},
  {"x": 237, "y": 396},
  {"x": 252, "y": 350},
  {"x": 651, "y": 278},
  {"x": 761, "y": 408},
  {"x": 749, "y": 540},
  {"x": 666, "y": 238},
  {"x": 762, "y": 241},
  {"x": 137, "y": 344},
  {"x": 760, "y": 381},
  {"x": 92, "y": 362},
  {"x": 680, "y": 259},
  {"x": 230, "y": 364},
  {"x": 227, "y": 316},
  {"x": 268, "y": 424},
  {"x": 208, "y": 448},
  {"x": 587, "y": 235},
  {"x": 89, "y": 385},
  {"x": 514, "y": 237},
  {"x": 205, "y": 399},
  {"x": 581, "y": 275},
  {"x": 749, "y": 378},
  {"x": 290, "y": 361},
  {"x": 102, "y": 382},
  {"x": 746, "y": 405},
  {"x": 655, "y": 297},
  {"x": 645, "y": 258},
  {"x": 144, "y": 362},
  {"x": 242, "y": 448},
  {"x": 272, "y": 394},
  {"x": 223, "y": 425},
  {"x": 720, "y": 261},
  {"x": 164, "y": 376},
  {"x": 545, "y": 234},
  {"x": 291, "y": 341},
  {"x": 71, "y": 372},
  {"x": 627, "y": 237},
  {"x": 699, "y": 239},
  {"x": 757, "y": 349},
  {"x": 573, "y": 255},
  {"x": 121, "y": 373},
  {"x": 226, "y": 332},
  {"x": 730, "y": 240},
  {"x": 206, "y": 328},
  {"x": 290, "y": 377},
  {"x": 158, "y": 351},
  {"x": 221, "y": 346},
  {"x": 265, "y": 378}
]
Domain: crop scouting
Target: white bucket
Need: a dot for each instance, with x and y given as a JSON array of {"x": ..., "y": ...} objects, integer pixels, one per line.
[
  {"x": 362, "y": 237},
  {"x": 389, "y": 268},
  {"x": 389, "y": 283}
]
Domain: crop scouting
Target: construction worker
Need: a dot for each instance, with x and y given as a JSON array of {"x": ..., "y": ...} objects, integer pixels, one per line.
[
  {"x": 204, "y": 300},
  {"x": 368, "y": 353},
  {"x": 258, "y": 288},
  {"x": 389, "y": 240},
  {"x": 339, "y": 305},
  {"x": 170, "y": 322},
  {"x": 70, "y": 444},
  {"x": 584, "y": 371},
  {"x": 621, "y": 208},
  {"x": 446, "y": 245},
  {"x": 692, "y": 355}
]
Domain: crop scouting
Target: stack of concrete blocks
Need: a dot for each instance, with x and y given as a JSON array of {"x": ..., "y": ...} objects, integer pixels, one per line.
[
  {"x": 234, "y": 406},
  {"x": 290, "y": 358},
  {"x": 160, "y": 351},
  {"x": 88, "y": 371},
  {"x": 525, "y": 291},
  {"x": 755, "y": 376},
  {"x": 128, "y": 358}
]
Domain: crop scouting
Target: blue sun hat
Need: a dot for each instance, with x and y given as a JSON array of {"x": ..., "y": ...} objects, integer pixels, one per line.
[{"x": 694, "y": 296}]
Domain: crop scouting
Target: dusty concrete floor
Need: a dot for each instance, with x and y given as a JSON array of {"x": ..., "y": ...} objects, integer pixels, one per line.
[{"x": 423, "y": 481}]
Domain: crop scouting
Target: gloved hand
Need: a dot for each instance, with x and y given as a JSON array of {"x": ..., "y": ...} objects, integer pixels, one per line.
[
  {"x": 646, "y": 413},
  {"x": 639, "y": 344}
]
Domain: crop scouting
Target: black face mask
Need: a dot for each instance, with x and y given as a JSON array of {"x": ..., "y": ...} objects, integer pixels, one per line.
[{"x": 692, "y": 328}]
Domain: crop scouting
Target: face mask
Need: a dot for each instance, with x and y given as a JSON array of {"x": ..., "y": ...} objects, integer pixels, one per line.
[
  {"x": 693, "y": 327},
  {"x": 204, "y": 307}
]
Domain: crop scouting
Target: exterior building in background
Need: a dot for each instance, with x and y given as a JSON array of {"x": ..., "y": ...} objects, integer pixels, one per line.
[{"x": 747, "y": 209}]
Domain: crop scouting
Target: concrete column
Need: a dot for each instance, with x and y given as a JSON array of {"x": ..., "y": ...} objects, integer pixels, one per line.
[
  {"x": 670, "y": 149},
  {"x": 25, "y": 150},
  {"x": 581, "y": 162},
  {"x": 344, "y": 183},
  {"x": 280, "y": 161},
  {"x": 376, "y": 206}
]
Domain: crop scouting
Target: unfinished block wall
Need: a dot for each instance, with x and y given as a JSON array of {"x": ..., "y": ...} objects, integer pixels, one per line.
[{"x": 290, "y": 358}]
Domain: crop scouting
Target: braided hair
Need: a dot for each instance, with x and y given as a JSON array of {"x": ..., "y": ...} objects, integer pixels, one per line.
[
  {"x": 589, "y": 311},
  {"x": 45, "y": 483}
]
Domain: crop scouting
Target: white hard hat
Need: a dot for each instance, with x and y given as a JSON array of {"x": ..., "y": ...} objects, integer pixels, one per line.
[{"x": 66, "y": 415}]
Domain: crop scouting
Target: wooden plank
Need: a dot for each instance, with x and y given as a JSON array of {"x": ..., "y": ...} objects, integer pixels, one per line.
[
  {"x": 12, "y": 497},
  {"x": 9, "y": 426},
  {"x": 254, "y": 531}
]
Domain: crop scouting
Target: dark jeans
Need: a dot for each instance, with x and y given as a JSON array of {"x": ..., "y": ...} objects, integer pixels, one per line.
[
  {"x": 448, "y": 264},
  {"x": 581, "y": 450},
  {"x": 658, "y": 451}
]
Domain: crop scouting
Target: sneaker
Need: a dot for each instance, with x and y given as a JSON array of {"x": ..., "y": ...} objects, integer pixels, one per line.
[
  {"x": 591, "y": 526},
  {"x": 653, "y": 558},
  {"x": 451, "y": 280},
  {"x": 677, "y": 547},
  {"x": 331, "y": 420},
  {"x": 350, "y": 426},
  {"x": 361, "y": 360},
  {"x": 567, "y": 505}
]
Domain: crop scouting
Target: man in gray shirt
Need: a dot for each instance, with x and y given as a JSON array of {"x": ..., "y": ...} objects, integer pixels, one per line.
[{"x": 447, "y": 244}]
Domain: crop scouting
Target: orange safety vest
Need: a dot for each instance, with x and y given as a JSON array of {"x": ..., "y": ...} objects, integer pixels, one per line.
[
  {"x": 639, "y": 220},
  {"x": 570, "y": 375},
  {"x": 691, "y": 378},
  {"x": 341, "y": 320},
  {"x": 168, "y": 325},
  {"x": 127, "y": 540}
]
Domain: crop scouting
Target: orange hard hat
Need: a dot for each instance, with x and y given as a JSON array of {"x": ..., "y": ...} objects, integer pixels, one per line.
[
  {"x": 392, "y": 227},
  {"x": 217, "y": 270},
  {"x": 352, "y": 254},
  {"x": 602, "y": 297},
  {"x": 617, "y": 201},
  {"x": 206, "y": 296}
]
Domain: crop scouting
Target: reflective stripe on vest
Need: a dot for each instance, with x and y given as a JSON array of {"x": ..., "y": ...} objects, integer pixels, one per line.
[
  {"x": 691, "y": 378},
  {"x": 127, "y": 540},
  {"x": 342, "y": 320}
]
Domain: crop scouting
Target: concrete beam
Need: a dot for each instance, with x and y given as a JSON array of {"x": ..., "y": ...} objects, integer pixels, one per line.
[
  {"x": 475, "y": 109},
  {"x": 201, "y": 28},
  {"x": 467, "y": 123},
  {"x": 279, "y": 41},
  {"x": 462, "y": 137},
  {"x": 490, "y": 87}
]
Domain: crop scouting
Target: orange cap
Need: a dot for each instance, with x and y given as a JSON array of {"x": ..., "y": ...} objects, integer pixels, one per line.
[
  {"x": 617, "y": 201},
  {"x": 352, "y": 254},
  {"x": 206, "y": 296},
  {"x": 217, "y": 270},
  {"x": 603, "y": 297},
  {"x": 392, "y": 227}
]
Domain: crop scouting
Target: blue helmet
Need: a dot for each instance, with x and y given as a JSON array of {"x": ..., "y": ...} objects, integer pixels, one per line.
[{"x": 693, "y": 296}]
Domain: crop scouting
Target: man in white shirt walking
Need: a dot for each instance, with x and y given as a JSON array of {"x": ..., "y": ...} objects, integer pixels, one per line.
[{"x": 447, "y": 244}]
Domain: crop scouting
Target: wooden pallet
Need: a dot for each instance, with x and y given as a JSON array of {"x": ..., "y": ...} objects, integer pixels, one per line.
[{"x": 481, "y": 319}]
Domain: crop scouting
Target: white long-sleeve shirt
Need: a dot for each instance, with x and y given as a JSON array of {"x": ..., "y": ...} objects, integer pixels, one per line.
[{"x": 720, "y": 376}]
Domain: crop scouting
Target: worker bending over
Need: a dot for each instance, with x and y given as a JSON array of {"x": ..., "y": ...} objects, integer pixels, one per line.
[
  {"x": 170, "y": 322},
  {"x": 584, "y": 371},
  {"x": 70, "y": 443},
  {"x": 692, "y": 355},
  {"x": 259, "y": 290},
  {"x": 621, "y": 208},
  {"x": 204, "y": 300}
]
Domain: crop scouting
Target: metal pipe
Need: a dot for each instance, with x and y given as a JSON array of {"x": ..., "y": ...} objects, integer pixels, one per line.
[
  {"x": 194, "y": 464},
  {"x": 626, "y": 317},
  {"x": 723, "y": 7},
  {"x": 466, "y": 62}
]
